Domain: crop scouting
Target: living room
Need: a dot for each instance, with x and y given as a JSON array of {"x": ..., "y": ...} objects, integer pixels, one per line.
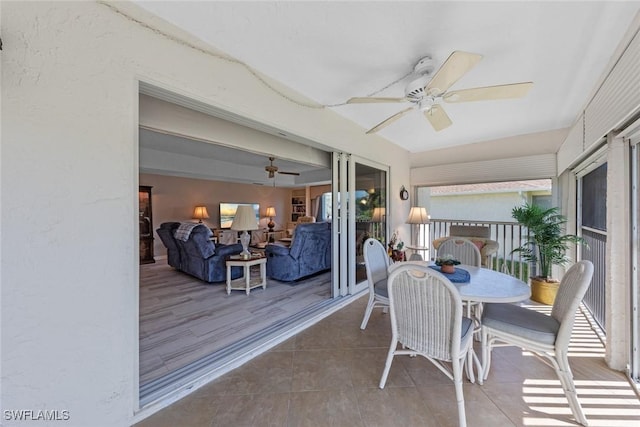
[{"x": 185, "y": 321}]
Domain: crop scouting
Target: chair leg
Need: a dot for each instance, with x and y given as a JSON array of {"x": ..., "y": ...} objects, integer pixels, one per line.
[
  {"x": 457, "y": 381},
  {"x": 387, "y": 365},
  {"x": 367, "y": 312},
  {"x": 566, "y": 380},
  {"x": 486, "y": 354}
]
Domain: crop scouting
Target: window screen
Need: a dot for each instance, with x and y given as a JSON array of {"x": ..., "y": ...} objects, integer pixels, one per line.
[{"x": 594, "y": 198}]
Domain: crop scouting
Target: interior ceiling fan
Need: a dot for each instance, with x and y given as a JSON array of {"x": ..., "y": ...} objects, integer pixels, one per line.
[
  {"x": 271, "y": 169},
  {"x": 426, "y": 94}
]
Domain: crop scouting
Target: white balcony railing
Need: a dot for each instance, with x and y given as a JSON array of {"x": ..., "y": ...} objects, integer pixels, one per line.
[{"x": 509, "y": 235}]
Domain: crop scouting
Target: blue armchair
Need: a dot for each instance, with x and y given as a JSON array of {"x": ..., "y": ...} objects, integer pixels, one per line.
[
  {"x": 310, "y": 253},
  {"x": 166, "y": 232},
  {"x": 198, "y": 256}
]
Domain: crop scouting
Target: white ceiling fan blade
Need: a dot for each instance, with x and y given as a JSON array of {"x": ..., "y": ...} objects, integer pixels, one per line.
[
  {"x": 374, "y": 100},
  {"x": 514, "y": 90},
  {"x": 288, "y": 173},
  {"x": 456, "y": 66},
  {"x": 438, "y": 118},
  {"x": 390, "y": 120}
]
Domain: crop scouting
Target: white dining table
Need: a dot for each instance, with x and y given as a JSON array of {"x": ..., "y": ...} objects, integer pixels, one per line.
[
  {"x": 484, "y": 286},
  {"x": 487, "y": 285}
]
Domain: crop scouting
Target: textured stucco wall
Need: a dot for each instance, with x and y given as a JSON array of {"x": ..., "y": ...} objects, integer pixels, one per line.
[{"x": 69, "y": 270}]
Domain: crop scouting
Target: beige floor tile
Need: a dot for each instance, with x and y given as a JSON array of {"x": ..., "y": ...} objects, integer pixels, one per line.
[
  {"x": 321, "y": 370},
  {"x": 253, "y": 410},
  {"x": 367, "y": 366},
  {"x": 479, "y": 409},
  {"x": 333, "y": 408},
  {"x": 422, "y": 371},
  {"x": 320, "y": 336},
  {"x": 329, "y": 375},
  {"x": 394, "y": 406},
  {"x": 188, "y": 412},
  {"x": 287, "y": 345},
  {"x": 524, "y": 403},
  {"x": 271, "y": 372}
]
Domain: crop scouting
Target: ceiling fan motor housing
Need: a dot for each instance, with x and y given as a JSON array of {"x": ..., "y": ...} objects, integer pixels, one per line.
[
  {"x": 423, "y": 69},
  {"x": 415, "y": 89}
]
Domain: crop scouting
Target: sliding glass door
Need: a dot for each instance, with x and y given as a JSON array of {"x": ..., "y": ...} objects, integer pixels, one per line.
[{"x": 359, "y": 212}]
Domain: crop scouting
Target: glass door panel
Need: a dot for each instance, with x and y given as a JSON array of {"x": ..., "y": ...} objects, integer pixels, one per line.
[
  {"x": 370, "y": 211},
  {"x": 359, "y": 194}
]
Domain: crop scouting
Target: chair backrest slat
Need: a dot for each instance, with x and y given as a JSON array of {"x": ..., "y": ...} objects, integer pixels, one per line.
[
  {"x": 426, "y": 311},
  {"x": 464, "y": 250}
]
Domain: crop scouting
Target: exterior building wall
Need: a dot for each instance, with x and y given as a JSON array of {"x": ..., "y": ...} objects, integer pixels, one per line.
[{"x": 473, "y": 207}]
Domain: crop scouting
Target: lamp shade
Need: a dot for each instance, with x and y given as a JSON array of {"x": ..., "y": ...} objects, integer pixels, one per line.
[
  {"x": 418, "y": 215},
  {"x": 245, "y": 219},
  {"x": 200, "y": 212},
  {"x": 378, "y": 215},
  {"x": 271, "y": 212}
]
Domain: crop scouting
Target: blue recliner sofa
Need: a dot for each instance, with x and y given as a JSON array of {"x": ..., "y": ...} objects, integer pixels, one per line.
[
  {"x": 310, "y": 253},
  {"x": 198, "y": 255}
]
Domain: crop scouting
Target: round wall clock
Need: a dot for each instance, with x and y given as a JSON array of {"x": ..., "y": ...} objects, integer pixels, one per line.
[{"x": 404, "y": 194}]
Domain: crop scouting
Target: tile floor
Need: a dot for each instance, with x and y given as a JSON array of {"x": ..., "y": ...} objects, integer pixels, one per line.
[{"x": 328, "y": 376}]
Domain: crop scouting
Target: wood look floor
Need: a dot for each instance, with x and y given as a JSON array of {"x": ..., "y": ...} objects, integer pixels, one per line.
[
  {"x": 328, "y": 375},
  {"x": 183, "y": 319}
]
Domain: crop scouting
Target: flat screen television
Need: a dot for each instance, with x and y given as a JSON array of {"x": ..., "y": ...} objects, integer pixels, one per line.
[{"x": 228, "y": 212}]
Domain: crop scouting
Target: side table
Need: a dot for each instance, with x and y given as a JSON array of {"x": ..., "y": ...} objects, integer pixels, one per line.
[{"x": 246, "y": 283}]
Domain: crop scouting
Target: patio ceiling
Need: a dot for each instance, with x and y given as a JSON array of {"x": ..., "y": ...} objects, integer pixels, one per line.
[{"x": 332, "y": 51}]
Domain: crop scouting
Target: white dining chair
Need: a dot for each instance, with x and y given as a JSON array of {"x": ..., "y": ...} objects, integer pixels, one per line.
[
  {"x": 426, "y": 320},
  {"x": 546, "y": 336},
  {"x": 376, "y": 262},
  {"x": 464, "y": 250}
]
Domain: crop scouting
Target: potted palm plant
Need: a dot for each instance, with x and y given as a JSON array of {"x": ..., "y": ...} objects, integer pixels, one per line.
[{"x": 545, "y": 245}]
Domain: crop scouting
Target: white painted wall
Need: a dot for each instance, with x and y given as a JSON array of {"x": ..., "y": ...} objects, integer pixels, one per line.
[
  {"x": 70, "y": 74},
  {"x": 173, "y": 199}
]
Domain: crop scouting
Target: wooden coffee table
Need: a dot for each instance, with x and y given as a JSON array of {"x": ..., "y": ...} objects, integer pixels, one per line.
[{"x": 246, "y": 283}]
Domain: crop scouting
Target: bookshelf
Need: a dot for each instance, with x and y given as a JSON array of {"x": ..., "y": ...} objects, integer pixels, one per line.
[{"x": 298, "y": 204}]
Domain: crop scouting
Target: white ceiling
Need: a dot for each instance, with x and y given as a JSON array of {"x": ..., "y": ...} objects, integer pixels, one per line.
[
  {"x": 167, "y": 154},
  {"x": 331, "y": 51}
]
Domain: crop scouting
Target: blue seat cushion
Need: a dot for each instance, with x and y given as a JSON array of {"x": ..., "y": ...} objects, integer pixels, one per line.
[
  {"x": 467, "y": 328},
  {"x": 381, "y": 288},
  {"x": 521, "y": 321}
]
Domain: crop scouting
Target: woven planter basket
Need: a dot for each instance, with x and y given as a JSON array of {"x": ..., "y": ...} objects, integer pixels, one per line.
[{"x": 544, "y": 292}]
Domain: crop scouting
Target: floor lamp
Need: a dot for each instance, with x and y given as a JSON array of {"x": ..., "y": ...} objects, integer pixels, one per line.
[{"x": 418, "y": 215}]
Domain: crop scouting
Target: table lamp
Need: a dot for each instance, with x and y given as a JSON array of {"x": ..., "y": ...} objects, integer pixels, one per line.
[
  {"x": 377, "y": 218},
  {"x": 418, "y": 215},
  {"x": 200, "y": 212},
  {"x": 271, "y": 212},
  {"x": 244, "y": 220}
]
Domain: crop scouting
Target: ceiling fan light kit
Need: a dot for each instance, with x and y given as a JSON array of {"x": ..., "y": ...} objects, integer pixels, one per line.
[{"x": 426, "y": 93}]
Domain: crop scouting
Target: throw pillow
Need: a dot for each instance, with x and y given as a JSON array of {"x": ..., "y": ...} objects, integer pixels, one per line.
[{"x": 479, "y": 244}]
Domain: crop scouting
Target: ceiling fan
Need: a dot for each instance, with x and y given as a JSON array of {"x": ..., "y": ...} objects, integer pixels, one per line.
[
  {"x": 426, "y": 94},
  {"x": 271, "y": 169}
]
